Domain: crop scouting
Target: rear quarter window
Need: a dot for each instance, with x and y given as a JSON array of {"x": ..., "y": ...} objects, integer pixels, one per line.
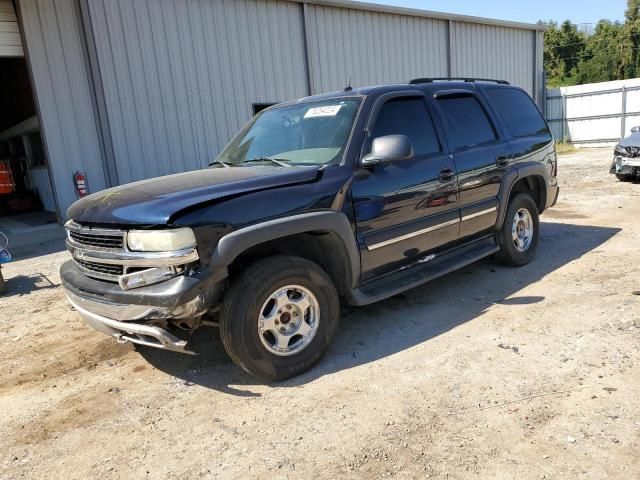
[{"x": 518, "y": 111}]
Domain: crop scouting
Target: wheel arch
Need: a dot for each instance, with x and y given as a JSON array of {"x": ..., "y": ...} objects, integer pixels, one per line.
[
  {"x": 529, "y": 179},
  {"x": 325, "y": 238}
]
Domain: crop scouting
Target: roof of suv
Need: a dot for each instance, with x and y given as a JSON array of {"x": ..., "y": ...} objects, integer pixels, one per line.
[{"x": 426, "y": 85}]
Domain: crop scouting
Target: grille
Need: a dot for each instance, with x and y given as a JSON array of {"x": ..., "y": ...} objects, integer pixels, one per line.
[
  {"x": 97, "y": 240},
  {"x": 101, "y": 268}
]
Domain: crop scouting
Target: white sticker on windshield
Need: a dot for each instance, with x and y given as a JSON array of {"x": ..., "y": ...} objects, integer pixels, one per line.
[{"x": 326, "y": 111}]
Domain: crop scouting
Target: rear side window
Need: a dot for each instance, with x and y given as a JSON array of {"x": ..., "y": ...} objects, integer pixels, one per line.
[
  {"x": 467, "y": 122},
  {"x": 408, "y": 117},
  {"x": 518, "y": 111}
]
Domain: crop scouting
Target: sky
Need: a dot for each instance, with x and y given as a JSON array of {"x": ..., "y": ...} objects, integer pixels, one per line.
[{"x": 530, "y": 11}]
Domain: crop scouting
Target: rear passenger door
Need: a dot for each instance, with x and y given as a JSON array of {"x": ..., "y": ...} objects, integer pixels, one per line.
[
  {"x": 480, "y": 155},
  {"x": 409, "y": 207},
  {"x": 531, "y": 139}
]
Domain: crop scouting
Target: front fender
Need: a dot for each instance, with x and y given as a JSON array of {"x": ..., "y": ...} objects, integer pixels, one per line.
[{"x": 235, "y": 243}]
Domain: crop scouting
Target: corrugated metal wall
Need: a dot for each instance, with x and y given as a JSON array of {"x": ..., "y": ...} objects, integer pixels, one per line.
[
  {"x": 10, "y": 42},
  {"x": 372, "y": 48},
  {"x": 62, "y": 93},
  {"x": 180, "y": 77},
  {"x": 173, "y": 80},
  {"x": 493, "y": 52},
  {"x": 41, "y": 182}
]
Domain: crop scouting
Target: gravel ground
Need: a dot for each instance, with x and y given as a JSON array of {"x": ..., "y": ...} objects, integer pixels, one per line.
[{"x": 489, "y": 372}]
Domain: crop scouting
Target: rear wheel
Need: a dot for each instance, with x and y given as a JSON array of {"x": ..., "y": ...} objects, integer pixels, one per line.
[
  {"x": 518, "y": 237},
  {"x": 279, "y": 317}
]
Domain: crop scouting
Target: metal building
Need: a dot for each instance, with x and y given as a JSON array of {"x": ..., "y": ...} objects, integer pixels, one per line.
[{"x": 127, "y": 90}]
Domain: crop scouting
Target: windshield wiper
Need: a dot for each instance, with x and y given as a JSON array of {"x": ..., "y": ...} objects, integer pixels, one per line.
[
  {"x": 269, "y": 159},
  {"x": 224, "y": 164}
]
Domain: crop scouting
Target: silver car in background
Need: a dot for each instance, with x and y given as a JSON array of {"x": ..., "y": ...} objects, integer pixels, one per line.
[{"x": 626, "y": 157}]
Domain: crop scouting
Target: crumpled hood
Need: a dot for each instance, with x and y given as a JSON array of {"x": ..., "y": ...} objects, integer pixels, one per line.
[
  {"x": 157, "y": 200},
  {"x": 632, "y": 140}
]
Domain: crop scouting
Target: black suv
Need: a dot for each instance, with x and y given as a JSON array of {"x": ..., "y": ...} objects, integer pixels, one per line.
[{"x": 351, "y": 196}]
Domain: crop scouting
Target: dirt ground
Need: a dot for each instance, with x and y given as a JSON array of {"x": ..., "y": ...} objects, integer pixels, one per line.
[{"x": 489, "y": 372}]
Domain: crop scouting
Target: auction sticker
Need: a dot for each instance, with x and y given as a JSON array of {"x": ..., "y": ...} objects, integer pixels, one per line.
[{"x": 326, "y": 111}]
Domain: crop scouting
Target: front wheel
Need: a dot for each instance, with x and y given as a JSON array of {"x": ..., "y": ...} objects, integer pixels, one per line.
[
  {"x": 625, "y": 177},
  {"x": 279, "y": 317},
  {"x": 518, "y": 237}
]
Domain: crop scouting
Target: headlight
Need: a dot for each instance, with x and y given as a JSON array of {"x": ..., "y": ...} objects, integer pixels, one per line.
[
  {"x": 160, "y": 240},
  {"x": 620, "y": 150}
]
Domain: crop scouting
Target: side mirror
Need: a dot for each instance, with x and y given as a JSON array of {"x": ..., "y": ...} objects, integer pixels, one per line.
[
  {"x": 635, "y": 129},
  {"x": 388, "y": 148}
]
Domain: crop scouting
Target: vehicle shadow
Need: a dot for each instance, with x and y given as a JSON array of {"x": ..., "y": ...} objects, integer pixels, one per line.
[
  {"x": 377, "y": 331},
  {"x": 24, "y": 284}
]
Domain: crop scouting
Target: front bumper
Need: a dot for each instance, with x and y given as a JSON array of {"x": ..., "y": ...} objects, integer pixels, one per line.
[
  {"x": 132, "y": 315},
  {"x": 625, "y": 165},
  {"x": 149, "y": 335}
]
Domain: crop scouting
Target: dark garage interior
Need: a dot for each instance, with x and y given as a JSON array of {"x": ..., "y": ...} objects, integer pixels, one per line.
[{"x": 26, "y": 195}]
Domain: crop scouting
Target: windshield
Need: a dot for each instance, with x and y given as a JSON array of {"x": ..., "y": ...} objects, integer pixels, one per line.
[{"x": 310, "y": 133}]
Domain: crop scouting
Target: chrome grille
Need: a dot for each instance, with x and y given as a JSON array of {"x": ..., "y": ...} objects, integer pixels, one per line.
[
  {"x": 102, "y": 270},
  {"x": 97, "y": 240}
]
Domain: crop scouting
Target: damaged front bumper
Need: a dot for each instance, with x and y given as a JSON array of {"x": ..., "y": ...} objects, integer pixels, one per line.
[
  {"x": 143, "y": 315},
  {"x": 625, "y": 165}
]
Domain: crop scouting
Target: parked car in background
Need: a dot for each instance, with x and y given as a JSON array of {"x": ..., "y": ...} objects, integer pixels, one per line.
[
  {"x": 351, "y": 196},
  {"x": 626, "y": 157}
]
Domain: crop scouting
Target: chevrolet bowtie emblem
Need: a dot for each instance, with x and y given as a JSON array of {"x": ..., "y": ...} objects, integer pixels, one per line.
[{"x": 108, "y": 196}]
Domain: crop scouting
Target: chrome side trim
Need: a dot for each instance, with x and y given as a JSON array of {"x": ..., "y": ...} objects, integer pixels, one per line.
[
  {"x": 135, "y": 259},
  {"x": 412, "y": 234},
  {"x": 478, "y": 214}
]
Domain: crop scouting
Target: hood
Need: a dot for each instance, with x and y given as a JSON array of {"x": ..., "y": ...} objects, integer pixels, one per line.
[
  {"x": 632, "y": 140},
  {"x": 157, "y": 200}
]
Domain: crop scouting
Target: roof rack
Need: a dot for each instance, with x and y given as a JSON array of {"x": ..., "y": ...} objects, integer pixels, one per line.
[{"x": 416, "y": 81}]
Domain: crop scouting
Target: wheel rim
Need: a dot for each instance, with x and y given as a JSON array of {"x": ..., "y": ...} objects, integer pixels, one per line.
[
  {"x": 522, "y": 230},
  {"x": 288, "y": 320}
]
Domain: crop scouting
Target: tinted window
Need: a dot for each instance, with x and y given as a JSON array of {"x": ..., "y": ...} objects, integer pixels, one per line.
[
  {"x": 408, "y": 117},
  {"x": 518, "y": 111},
  {"x": 467, "y": 122}
]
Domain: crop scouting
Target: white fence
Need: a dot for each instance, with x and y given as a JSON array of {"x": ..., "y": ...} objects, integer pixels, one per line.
[{"x": 593, "y": 114}]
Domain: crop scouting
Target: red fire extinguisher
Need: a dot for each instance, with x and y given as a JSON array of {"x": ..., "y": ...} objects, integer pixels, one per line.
[{"x": 80, "y": 181}]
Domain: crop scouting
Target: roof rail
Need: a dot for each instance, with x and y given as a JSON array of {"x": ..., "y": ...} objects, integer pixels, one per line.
[{"x": 416, "y": 81}]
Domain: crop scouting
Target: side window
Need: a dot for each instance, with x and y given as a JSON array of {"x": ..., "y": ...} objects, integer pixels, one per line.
[
  {"x": 467, "y": 122},
  {"x": 518, "y": 111},
  {"x": 410, "y": 117}
]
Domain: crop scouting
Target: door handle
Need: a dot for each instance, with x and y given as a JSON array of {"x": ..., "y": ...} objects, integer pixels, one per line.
[
  {"x": 503, "y": 161},
  {"x": 446, "y": 174}
]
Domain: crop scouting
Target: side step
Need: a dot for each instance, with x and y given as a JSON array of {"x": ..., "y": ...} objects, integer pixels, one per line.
[{"x": 419, "y": 273}]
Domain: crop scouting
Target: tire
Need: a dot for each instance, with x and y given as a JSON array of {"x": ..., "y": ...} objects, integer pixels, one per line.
[
  {"x": 253, "y": 302},
  {"x": 624, "y": 178},
  {"x": 516, "y": 253}
]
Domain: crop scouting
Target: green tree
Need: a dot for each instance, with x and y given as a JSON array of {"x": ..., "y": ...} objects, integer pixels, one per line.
[
  {"x": 604, "y": 57},
  {"x": 630, "y": 39},
  {"x": 564, "y": 46}
]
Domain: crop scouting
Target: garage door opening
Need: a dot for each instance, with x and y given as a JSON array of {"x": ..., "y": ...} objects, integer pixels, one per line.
[{"x": 27, "y": 201}]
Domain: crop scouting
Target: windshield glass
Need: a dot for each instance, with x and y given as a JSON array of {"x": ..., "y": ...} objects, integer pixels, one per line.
[{"x": 311, "y": 133}]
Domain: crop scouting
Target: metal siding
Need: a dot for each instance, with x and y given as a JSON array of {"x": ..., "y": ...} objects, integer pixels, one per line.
[
  {"x": 180, "y": 77},
  {"x": 10, "y": 41},
  {"x": 62, "y": 90},
  {"x": 494, "y": 52},
  {"x": 371, "y": 48},
  {"x": 567, "y": 108},
  {"x": 41, "y": 182}
]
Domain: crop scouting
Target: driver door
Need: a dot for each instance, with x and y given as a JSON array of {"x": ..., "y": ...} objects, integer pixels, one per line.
[{"x": 405, "y": 209}]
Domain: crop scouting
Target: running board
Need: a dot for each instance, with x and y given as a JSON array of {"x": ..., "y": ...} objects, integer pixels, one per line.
[{"x": 421, "y": 272}]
